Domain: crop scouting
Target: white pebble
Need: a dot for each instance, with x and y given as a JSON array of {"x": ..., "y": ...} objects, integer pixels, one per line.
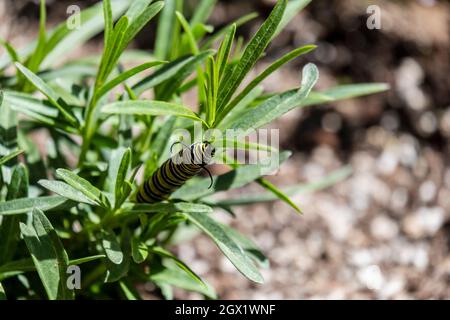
[
  {"x": 399, "y": 198},
  {"x": 371, "y": 277},
  {"x": 427, "y": 191},
  {"x": 384, "y": 228},
  {"x": 424, "y": 222}
]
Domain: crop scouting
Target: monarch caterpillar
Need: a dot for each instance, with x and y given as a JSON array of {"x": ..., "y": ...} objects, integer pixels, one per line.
[{"x": 175, "y": 171}]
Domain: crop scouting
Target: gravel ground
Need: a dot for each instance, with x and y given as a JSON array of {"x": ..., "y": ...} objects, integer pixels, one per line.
[{"x": 383, "y": 233}]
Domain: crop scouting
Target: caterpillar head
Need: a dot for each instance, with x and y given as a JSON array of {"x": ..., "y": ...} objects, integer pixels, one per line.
[
  {"x": 197, "y": 153},
  {"x": 203, "y": 153},
  {"x": 208, "y": 153}
]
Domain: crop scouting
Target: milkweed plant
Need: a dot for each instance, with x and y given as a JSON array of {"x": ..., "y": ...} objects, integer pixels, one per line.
[{"x": 88, "y": 208}]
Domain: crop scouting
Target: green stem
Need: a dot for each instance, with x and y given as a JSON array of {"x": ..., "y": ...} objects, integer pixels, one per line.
[{"x": 88, "y": 128}]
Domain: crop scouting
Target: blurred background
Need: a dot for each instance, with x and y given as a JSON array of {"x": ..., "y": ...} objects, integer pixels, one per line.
[{"x": 384, "y": 232}]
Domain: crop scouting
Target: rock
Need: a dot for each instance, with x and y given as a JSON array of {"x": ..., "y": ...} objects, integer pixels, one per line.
[
  {"x": 266, "y": 240},
  {"x": 445, "y": 123},
  {"x": 428, "y": 124},
  {"x": 371, "y": 277},
  {"x": 409, "y": 77},
  {"x": 408, "y": 150},
  {"x": 384, "y": 228},
  {"x": 444, "y": 199},
  {"x": 361, "y": 257},
  {"x": 390, "y": 121},
  {"x": 427, "y": 191},
  {"x": 393, "y": 287},
  {"x": 399, "y": 199},
  {"x": 424, "y": 222},
  {"x": 407, "y": 253},
  {"x": 447, "y": 178},
  {"x": 339, "y": 219},
  {"x": 387, "y": 162}
]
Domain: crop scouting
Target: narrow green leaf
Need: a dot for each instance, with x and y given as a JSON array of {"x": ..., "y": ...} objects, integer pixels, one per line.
[
  {"x": 21, "y": 102},
  {"x": 202, "y": 11},
  {"x": 150, "y": 108},
  {"x": 268, "y": 71},
  {"x": 236, "y": 178},
  {"x": 26, "y": 265},
  {"x": 239, "y": 22},
  {"x": 9, "y": 228},
  {"x": 224, "y": 50},
  {"x": 355, "y": 90},
  {"x": 224, "y": 144},
  {"x": 129, "y": 294},
  {"x": 139, "y": 250},
  {"x": 66, "y": 36},
  {"x": 39, "y": 110},
  {"x": 13, "y": 55},
  {"x": 170, "y": 70},
  {"x": 165, "y": 208},
  {"x": 165, "y": 90},
  {"x": 39, "y": 52},
  {"x": 68, "y": 95},
  {"x": 8, "y": 131},
  {"x": 125, "y": 76},
  {"x": 252, "y": 53},
  {"x": 115, "y": 271},
  {"x": 76, "y": 262},
  {"x": 250, "y": 248},
  {"x": 162, "y": 221},
  {"x": 140, "y": 21},
  {"x": 136, "y": 8},
  {"x": 24, "y": 205},
  {"x": 166, "y": 290},
  {"x": 65, "y": 190},
  {"x": 48, "y": 92},
  {"x": 323, "y": 183},
  {"x": 111, "y": 53},
  {"x": 164, "y": 253},
  {"x": 280, "y": 194},
  {"x": 316, "y": 98},
  {"x": 48, "y": 255},
  {"x": 200, "y": 30},
  {"x": 83, "y": 186},
  {"x": 159, "y": 144},
  {"x": 107, "y": 16},
  {"x": 2, "y": 293},
  {"x": 117, "y": 172},
  {"x": 229, "y": 247},
  {"x": 292, "y": 9},
  {"x": 240, "y": 108},
  {"x": 188, "y": 31},
  {"x": 344, "y": 92},
  {"x": 10, "y": 156},
  {"x": 18, "y": 186},
  {"x": 280, "y": 104},
  {"x": 112, "y": 247},
  {"x": 178, "y": 278},
  {"x": 166, "y": 25},
  {"x": 212, "y": 90}
]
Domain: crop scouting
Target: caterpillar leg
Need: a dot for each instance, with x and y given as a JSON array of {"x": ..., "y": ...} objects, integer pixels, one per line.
[
  {"x": 178, "y": 142},
  {"x": 210, "y": 176}
]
